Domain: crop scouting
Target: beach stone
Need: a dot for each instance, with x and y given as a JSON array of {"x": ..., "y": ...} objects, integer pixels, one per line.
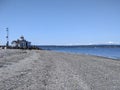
[{"x": 48, "y": 70}]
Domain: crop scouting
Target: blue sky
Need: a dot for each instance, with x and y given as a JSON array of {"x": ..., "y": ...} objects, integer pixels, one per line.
[{"x": 61, "y": 22}]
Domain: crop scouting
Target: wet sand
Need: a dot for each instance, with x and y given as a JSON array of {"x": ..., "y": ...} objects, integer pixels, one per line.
[{"x": 47, "y": 70}]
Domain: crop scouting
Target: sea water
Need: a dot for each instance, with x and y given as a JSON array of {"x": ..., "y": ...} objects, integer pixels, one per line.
[{"x": 98, "y": 51}]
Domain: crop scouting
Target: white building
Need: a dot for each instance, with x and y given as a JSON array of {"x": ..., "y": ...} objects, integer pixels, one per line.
[{"x": 21, "y": 43}]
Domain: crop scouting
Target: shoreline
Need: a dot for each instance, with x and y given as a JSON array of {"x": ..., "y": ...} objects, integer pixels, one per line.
[
  {"x": 49, "y": 70},
  {"x": 98, "y": 51},
  {"x": 112, "y": 58}
]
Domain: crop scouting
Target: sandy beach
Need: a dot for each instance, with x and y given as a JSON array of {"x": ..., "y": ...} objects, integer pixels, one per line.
[{"x": 47, "y": 70}]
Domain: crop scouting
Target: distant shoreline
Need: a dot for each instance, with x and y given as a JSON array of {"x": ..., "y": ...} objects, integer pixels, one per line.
[{"x": 91, "y": 46}]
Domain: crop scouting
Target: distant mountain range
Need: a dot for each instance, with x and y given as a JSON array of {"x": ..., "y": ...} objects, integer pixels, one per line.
[{"x": 92, "y": 46}]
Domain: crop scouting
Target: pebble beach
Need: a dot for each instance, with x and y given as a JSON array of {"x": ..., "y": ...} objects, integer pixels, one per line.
[{"x": 48, "y": 70}]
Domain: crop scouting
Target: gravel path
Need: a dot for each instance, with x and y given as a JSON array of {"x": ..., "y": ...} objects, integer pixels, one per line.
[{"x": 47, "y": 70}]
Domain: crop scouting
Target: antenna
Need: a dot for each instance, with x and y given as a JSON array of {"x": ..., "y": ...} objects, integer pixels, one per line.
[{"x": 7, "y": 37}]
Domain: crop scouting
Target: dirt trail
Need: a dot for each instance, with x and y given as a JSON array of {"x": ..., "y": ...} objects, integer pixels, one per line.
[{"x": 45, "y": 70}]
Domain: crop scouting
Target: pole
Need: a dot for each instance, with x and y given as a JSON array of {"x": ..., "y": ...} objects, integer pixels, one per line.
[{"x": 7, "y": 37}]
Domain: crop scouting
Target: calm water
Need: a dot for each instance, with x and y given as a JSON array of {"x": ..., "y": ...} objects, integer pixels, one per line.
[{"x": 99, "y": 51}]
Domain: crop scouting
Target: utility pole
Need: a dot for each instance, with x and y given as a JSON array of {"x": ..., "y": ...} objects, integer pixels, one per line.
[{"x": 7, "y": 37}]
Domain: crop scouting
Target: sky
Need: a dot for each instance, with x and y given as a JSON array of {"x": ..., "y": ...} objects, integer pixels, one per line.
[{"x": 61, "y": 22}]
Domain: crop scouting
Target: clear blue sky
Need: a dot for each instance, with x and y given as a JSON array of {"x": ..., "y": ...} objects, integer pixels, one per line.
[{"x": 59, "y": 22}]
